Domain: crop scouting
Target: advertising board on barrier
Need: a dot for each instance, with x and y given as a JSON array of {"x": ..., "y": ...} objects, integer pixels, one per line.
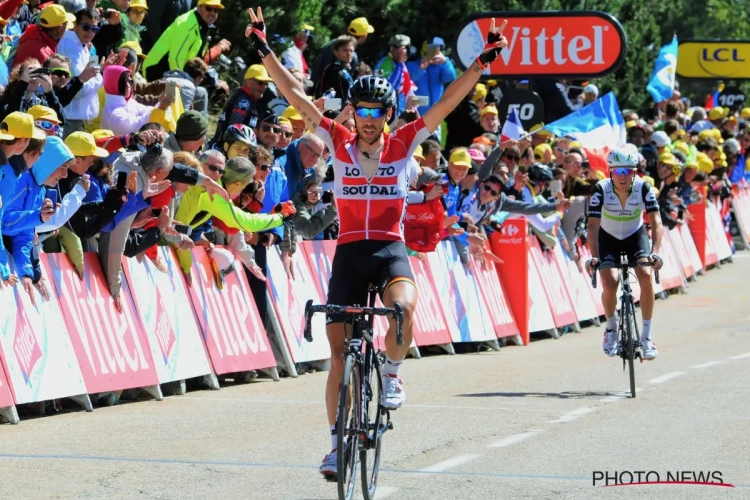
[
  {"x": 234, "y": 335},
  {"x": 575, "y": 44},
  {"x": 580, "y": 295},
  {"x": 35, "y": 347},
  {"x": 289, "y": 298},
  {"x": 173, "y": 332},
  {"x": 488, "y": 282},
  {"x": 6, "y": 399},
  {"x": 554, "y": 288},
  {"x": 112, "y": 348},
  {"x": 430, "y": 326},
  {"x": 714, "y": 59}
]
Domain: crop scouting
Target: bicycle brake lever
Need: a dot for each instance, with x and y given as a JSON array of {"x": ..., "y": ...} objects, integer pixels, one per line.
[
  {"x": 399, "y": 323},
  {"x": 308, "y": 320}
]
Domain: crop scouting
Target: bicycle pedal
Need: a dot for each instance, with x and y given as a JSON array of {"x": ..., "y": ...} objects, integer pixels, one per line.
[
  {"x": 331, "y": 478},
  {"x": 390, "y": 425}
]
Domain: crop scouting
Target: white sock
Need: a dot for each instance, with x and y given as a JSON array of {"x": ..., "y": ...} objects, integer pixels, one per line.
[
  {"x": 334, "y": 438},
  {"x": 612, "y": 322},
  {"x": 391, "y": 367},
  {"x": 646, "y": 335}
]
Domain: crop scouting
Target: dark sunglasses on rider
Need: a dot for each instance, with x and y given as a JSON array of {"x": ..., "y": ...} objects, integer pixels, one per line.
[
  {"x": 214, "y": 168},
  {"x": 490, "y": 190},
  {"x": 373, "y": 112},
  {"x": 268, "y": 128},
  {"x": 47, "y": 126},
  {"x": 622, "y": 171},
  {"x": 90, "y": 27}
]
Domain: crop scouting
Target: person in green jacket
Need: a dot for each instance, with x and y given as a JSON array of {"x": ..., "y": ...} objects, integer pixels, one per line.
[
  {"x": 196, "y": 207},
  {"x": 185, "y": 39},
  {"x": 135, "y": 14}
]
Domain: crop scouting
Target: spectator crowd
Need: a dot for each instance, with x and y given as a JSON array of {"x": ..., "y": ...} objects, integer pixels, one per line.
[{"x": 105, "y": 145}]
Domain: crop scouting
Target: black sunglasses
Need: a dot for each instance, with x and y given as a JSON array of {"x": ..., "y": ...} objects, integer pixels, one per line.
[
  {"x": 512, "y": 157},
  {"x": 214, "y": 168},
  {"x": 491, "y": 191},
  {"x": 90, "y": 27},
  {"x": 211, "y": 9},
  {"x": 268, "y": 128},
  {"x": 264, "y": 167},
  {"x": 288, "y": 135}
]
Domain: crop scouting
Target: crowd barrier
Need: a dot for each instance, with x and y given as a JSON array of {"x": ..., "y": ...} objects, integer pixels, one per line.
[{"x": 172, "y": 329}]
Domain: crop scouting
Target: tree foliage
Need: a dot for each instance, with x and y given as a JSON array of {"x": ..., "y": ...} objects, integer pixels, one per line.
[{"x": 648, "y": 25}]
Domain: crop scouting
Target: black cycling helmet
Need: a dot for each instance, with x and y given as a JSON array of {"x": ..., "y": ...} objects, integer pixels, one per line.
[
  {"x": 539, "y": 173},
  {"x": 374, "y": 90},
  {"x": 240, "y": 133}
]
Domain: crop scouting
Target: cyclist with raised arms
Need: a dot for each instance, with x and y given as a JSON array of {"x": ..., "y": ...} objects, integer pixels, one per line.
[
  {"x": 373, "y": 170},
  {"x": 616, "y": 225}
]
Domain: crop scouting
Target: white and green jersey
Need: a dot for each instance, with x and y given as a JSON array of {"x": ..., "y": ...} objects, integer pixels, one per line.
[{"x": 618, "y": 220}]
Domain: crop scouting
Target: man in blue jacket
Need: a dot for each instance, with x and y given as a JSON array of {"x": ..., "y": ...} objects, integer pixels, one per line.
[
  {"x": 432, "y": 73},
  {"x": 30, "y": 207}
]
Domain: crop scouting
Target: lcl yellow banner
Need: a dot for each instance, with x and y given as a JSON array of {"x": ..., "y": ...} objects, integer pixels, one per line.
[{"x": 714, "y": 59}]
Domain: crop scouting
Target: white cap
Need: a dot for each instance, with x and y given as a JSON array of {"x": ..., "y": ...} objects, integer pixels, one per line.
[
  {"x": 660, "y": 138},
  {"x": 591, "y": 89},
  {"x": 224, "y": 260}
]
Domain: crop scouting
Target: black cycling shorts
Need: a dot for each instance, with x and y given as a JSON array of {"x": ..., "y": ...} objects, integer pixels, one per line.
[
  {"x": 358, "y": 264},
  {"x": 636, "y": 246}
]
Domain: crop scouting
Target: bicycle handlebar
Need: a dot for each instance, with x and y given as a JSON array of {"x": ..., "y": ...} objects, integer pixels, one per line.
[
  {"x": 625, "y": 267},
  {"x": 395, "y": 312}
]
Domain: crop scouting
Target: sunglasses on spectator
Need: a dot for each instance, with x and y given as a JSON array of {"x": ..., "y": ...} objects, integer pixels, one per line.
[
  {"x": 317, "y": 190},
  {"x": 47, "y": 126},
  {"x": 373, "y": 112},
  {"x": 211, "y": 9},
  {"x": 137, "y": 11},
  {"x": 512, "y": 157},
  {"x": 264, "y": 167},
  {"x": 261, "y": 83},
  {"x": 623, "y": 171},
  {"x": 313, "y": 152},
  {"x": 214, "y": 168},
  {"x": 269, "y": 128},
  {"x": 287, "y": 135},
  {"x": 61, "y": 72},
  {"x": 90, "y": 27},
  {"x": 490, "y": 190}
]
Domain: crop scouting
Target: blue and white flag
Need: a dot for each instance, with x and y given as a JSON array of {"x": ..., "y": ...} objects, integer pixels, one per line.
[
  {"x": 661, "y": 85},
  {"x": 597, "y": 125}
]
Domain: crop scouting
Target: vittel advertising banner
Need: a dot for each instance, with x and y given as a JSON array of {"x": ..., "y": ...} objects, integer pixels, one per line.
[{"x": 574, "y": 44}]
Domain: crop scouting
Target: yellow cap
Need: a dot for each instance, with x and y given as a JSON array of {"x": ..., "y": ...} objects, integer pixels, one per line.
[
  {"x": 257, "y": 72},
  {"x": 480, "y": 92},
  {"x": 745, "y": 113},
  {"x": 20, "y": 126},
  {"x": 360, "y": 27},
  {"x": 691, "y": 163},
  {"x": 135, "y": 46},
  {"x": 84, "y": 144},
  {"x": 668, "y": 158},
  {"x": 575, "y": 144},
  {"x": 542, "y": 132},
  {"x": 308, "y": 27},
  {"x": 490, "y": 109},
  {"x": 138, "y": 4},
  {"x": 492, "y": 83},
  {"x": 716, "y": 113},
  {"x": 600, "y": 175},
  {"x": 291, "y": 113},
  {"x": 732, "y": 118},
  {"x": 211, "y": 3},
  {"x": 630, "y": 124},
  {"x": 461, "y": 157},
  {"x": 102, "y": 133},
  {"x": 43, "y": 113},
  {"x": 418, "y": 152},
  {"x": 682, "y": 146},
  {"x": 54, "y": 16},
  {"x": 285, "y": 121},
  {"x": 541, "y": 149},
  {"x": 705, "y": 164}
]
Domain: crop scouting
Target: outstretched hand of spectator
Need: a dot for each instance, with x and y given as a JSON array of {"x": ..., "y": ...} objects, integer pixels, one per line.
[
  {"x": 29, "y": 287},
  {"x": 257, "y": 271},
  {"x": 214, "y": 189},
  {"x": 11, "y": 281},
  {"x": 287, "y": 260},
  {"x": 153, "y": 188},
  {"x": 114, "y": 59},
  {"x": 41, "y": 285},
  {"x": 450, "y": 220}
]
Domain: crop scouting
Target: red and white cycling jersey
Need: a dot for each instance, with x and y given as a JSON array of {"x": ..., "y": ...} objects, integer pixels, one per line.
[{"x": 372, "y": 209}]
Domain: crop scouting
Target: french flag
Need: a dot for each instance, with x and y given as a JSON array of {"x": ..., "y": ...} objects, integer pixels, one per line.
[
  {"x": 599, "y": 127},
  {"x": 512, "y": 128}
]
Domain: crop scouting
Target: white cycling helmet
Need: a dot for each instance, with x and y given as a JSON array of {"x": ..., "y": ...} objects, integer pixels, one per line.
[{"x": 625, "y": 156}]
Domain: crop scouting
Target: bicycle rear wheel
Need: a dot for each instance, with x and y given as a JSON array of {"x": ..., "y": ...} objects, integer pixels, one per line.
[
  {"x": 347, "y": 423},
  {"x": 375, "y": 427},
  {"x": 629, "y": 344}
]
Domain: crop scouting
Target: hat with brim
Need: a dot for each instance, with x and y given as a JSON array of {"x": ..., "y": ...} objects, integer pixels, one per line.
[
  {"x": 211, "y": 3},
  {"x": 360, "y": 27},
  {"x": 291, "y": 113},
  {"x": 136, "y": 47},
  {"x": 54, "y": 16},
  {"x": 20, "y": 126},
  {"x": 418, "y": 152},
  {"x": 257, "y": 72},
  {"x": 84, "y": 144},
  {"x": 40, "y": 112},
  {"x": 461, "y": 158}
]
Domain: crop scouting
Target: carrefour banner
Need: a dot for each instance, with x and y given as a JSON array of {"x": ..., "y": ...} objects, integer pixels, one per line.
[
  {"x": 35, "y": 347},
  {"x": 165, "y": 311}
]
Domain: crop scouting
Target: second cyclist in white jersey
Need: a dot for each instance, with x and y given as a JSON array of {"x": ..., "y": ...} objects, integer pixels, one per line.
[{"x": 616, "y": 225}]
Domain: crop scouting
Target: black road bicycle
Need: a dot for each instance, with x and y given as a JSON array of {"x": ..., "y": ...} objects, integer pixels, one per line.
[
  {"x": 361, "y": 420},
  {"x": 627, "y": 329}
]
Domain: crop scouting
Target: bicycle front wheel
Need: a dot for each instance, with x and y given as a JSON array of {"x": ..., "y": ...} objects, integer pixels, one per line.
[
  {"x": 375, "y": 427},
  {"x": 630, "y": 346},
  {"x": 347, "y": 426}
]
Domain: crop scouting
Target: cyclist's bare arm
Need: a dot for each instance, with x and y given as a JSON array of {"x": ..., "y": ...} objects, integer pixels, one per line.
[
  {"x": 287, "y": 84},
  {"x": 657, "y": 229},
  {"x": 593, "y": 236},
  {"x": 457, "y": 90}
]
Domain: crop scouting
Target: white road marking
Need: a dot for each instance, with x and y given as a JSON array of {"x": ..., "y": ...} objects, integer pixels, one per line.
[
  {"x": 572, "y": 415},
  {"x": 515, "y": 438},
  {"x": 450, "y": 463},
  {"x": 619, "y": 396},
  {"x": 707, "y": 365},
  {"x": 664, "y": 378},
  {"x": 382, "y": 492},
  {"x": 741, "y": 356}
]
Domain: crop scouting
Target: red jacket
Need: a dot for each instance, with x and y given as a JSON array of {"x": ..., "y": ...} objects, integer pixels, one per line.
[
  {"x": 423, "y": 225},
  {"x": 34, "y": 43}
]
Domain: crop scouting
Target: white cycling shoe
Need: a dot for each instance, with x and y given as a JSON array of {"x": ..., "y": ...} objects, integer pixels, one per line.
[
  {"x": 393, "y": 392},
  {"x": 610, "y": 344},
  {"x": 649, "y": 349},
  {"x": 328, "y": 467}
]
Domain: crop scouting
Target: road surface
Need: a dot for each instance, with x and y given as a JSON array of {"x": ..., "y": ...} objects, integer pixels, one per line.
[{"x": 525, "y": 422}]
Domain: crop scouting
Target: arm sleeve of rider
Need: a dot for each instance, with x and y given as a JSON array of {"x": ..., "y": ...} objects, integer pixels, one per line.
[
  {"x": 649, "y": 199},
  {"x": 596, "y": 201}
]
